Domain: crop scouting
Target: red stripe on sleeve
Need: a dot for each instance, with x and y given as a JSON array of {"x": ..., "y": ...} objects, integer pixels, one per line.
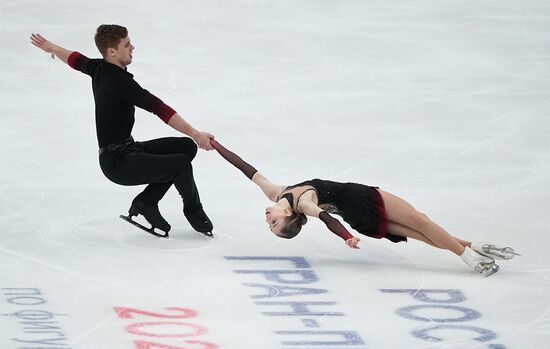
[
  {"x": 166, "y": 113},
  {"x": 73, "y": 59}
]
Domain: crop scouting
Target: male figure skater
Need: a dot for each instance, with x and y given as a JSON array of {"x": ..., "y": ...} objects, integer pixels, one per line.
[{"x": 158, "y": 162}]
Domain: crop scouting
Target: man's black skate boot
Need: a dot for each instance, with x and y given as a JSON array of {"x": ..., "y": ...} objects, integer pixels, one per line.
[
  {"x": 151, "y": 213},
  {"x": 199, "y": 221}
]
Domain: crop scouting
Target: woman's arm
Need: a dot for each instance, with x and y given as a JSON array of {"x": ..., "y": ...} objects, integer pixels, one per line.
[
  {"x": 309, "y": 208},
  {"x": 270, "y": 189}
]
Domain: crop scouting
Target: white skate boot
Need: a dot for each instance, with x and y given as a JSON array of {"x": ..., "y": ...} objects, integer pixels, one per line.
[
  {"x": 490, "y": 250},
  {"x": 484, "y": 265}
]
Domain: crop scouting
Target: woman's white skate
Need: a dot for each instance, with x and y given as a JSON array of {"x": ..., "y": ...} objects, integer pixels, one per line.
[{"x": 482, "y": 264}]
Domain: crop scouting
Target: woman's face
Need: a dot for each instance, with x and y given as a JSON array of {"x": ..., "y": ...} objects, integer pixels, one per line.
[{"x": 274, "y": 216}]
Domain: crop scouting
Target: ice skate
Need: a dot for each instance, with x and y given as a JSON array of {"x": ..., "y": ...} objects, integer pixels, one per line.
[
  {"x": 152, "y": 214},
  {"x": 484, "y": 265},
  {"x": 200, "y": 221},
  {"x": 490, "y": 250}
]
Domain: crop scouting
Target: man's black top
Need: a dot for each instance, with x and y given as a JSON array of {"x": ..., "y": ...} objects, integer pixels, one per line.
[{"x": 115, "y": 94}]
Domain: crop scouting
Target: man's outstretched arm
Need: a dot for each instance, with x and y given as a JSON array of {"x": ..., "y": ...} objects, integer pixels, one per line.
[
  {"x": 51, "y": 48},
  {"x": 202, "y": 138}
]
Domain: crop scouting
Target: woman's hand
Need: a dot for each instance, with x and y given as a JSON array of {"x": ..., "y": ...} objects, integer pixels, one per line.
[{"x": 353, "y": 242}]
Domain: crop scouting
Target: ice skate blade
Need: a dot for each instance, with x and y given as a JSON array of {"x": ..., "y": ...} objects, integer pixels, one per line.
[
  {"x": 487, "y": 270},
  {"x": 149, "y": 230},
  {"x": 505, "y": 253},
  {"x": 207, "y": 234}
]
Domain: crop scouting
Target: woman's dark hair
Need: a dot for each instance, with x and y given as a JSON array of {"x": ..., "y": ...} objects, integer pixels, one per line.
[
  {"x": 292, "y": 225},
  {"x": 109, "y": 35}
]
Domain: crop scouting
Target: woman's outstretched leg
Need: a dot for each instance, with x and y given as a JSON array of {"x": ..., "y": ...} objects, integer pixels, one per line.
[
  {"x": 401, "y": 230},
  {"x": 406, "y": 220},
  {"x": 400, "y": 211}
]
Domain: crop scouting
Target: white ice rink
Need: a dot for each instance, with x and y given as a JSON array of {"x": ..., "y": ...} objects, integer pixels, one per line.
[{"x": 445, "y": 103}]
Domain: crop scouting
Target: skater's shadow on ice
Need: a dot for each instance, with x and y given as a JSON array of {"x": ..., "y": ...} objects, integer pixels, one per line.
[
  {"x": 385, "y": 263},
  {"x": 113, "y": 231}
]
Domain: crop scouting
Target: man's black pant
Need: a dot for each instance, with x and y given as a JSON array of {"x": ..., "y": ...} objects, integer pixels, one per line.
[{"x": 158, "y": 163}]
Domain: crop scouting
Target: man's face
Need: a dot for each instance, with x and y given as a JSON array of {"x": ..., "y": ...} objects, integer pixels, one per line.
[{"x": 123, "y": 52}]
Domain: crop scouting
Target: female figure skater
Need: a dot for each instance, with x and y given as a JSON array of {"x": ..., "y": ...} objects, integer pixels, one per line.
[{"x": 368, "y": 210}]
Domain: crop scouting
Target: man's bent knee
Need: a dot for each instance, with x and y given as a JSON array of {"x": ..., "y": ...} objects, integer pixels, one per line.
[{"x": 188, "y": 147}]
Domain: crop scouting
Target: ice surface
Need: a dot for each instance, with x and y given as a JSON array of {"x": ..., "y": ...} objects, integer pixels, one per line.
[{"x": 444, "y": 103}]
